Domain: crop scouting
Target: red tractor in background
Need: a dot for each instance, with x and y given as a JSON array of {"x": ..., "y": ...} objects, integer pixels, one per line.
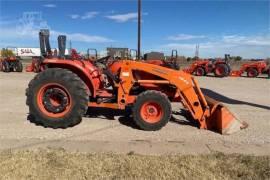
[
  {"x": 9, "y": 62},
  {"x": 158, "y": 58},
  {"x": 202, "y": 67},
  {"x": 253, "y": 69}
]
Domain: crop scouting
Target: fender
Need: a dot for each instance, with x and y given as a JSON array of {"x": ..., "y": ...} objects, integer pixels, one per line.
[{"x": 84, "y": 69}]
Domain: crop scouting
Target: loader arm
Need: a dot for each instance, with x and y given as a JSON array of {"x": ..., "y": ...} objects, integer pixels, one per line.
[
  {"x": 188, "y": 89},
  {"x": 209, "y": 113}
]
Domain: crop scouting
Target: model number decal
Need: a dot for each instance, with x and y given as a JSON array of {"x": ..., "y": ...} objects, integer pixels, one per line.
[
  {"x": 184, "y": 80},
  {"x": 160, "y": 71}
]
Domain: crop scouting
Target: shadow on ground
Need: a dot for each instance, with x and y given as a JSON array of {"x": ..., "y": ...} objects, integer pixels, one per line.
[
  {"x": 188, "y": 121},
  {"x": 228, "y": 100},
  {"x": 124, "y": 116}
]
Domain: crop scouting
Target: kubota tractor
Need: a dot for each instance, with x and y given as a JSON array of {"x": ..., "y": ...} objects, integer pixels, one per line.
[
  {"x": 9, "y": 62},
  {"x": 59, "y": 96},
  {"x": 202, "y": 67},
  {"x": 159, "y": 59},
  {"x": 253, "y": 69}
]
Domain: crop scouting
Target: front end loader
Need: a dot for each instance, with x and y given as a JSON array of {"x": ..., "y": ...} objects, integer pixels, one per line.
[{"x": 59, "y": 96}]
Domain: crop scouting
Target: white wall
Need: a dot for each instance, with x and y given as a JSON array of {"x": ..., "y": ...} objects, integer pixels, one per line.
[{"x": 32, "y": 52}]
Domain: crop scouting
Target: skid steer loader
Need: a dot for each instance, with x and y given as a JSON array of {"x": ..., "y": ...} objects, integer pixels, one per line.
[{"x": 60, "y": 95}]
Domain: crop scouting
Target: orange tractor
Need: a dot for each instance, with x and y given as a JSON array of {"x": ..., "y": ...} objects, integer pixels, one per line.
[
  {"x": 9, "y": 62},
  {"x": 253, "y": 69},
  {"x": 202, "y": 67},
  {"x": 59, "y": 96},
  {"x": 159, "y": 59}
]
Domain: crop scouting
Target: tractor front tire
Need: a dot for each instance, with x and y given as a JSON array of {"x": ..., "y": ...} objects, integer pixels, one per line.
[
  {"x": 152, "y": 110},
  {"x": 252, "y": 72},
  {"x": 57, "y": 98},
  {"x": 18, "y": 67}
]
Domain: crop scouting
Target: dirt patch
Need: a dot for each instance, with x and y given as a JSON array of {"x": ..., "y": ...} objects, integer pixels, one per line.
[{"x": 59, "y": 164}]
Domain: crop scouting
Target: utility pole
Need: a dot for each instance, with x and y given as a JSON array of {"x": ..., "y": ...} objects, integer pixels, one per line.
[
  {"x": 139, "y": 28},
  {"x": 197, "y": 51}
]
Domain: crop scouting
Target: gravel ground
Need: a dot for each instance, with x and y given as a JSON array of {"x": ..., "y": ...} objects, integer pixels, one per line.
[{"x": 100, "y": 132}]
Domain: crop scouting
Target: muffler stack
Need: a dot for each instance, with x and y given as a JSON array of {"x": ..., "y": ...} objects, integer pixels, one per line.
[{"x": 61, "y": 46}]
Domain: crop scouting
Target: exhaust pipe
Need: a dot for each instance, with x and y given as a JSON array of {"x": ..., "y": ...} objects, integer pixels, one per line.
[
  {"x": 62, "y": 46},
  {"x": 45, "y": 47}
]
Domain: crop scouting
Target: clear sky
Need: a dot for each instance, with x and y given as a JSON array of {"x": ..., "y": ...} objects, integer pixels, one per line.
[{"x": 235, "y": 27}]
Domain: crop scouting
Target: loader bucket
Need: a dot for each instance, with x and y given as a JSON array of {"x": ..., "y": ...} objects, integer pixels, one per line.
[{"x": 221, "y": 119}]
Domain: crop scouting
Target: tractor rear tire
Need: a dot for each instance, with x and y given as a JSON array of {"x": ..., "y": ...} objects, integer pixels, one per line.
[
  {"x": 57, "y": 98},
  {"x": 152, "y": 110},
  {"x": 222, "y": 70},
  {"x": 200, "y": 71},
  {"x": 18, "y": 67},
  {"x": 252, "y": 72},
  {"x": 5, "y": 66}
]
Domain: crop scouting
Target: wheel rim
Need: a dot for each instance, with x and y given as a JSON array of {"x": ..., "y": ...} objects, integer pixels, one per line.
[
  {"x": 199, "y": 72},
  {"x": 151, "y": 112},
  {"x": 54, "y": 100},
  {"x": 219, "y": 71},
  {"x": 251, "y": 73}
]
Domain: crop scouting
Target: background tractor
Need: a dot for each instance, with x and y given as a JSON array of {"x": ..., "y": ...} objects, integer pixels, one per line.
[
  {"x": 202, "y": 67},
  {"x": 158, "y": 58},
  {"x": 253, "y": 69},
  {"x": 9, "y": 62}
]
